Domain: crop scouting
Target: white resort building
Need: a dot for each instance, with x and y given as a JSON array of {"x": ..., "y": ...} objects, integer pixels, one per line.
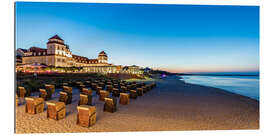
[{"x": 58, "y": 54}]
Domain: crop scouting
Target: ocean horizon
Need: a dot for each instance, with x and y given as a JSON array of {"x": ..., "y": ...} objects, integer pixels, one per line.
[
  {"x": 243, "y": 85},
  {"x": 250, "y": 73}
]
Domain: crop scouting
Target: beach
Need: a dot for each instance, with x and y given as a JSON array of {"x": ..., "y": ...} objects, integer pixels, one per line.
[{"x": 171, "y": 106}]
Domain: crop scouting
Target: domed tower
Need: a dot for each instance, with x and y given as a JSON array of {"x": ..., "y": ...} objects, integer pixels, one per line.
[
  {"x": 54, "y": 43},
  {"x": 102, "y": 57}
]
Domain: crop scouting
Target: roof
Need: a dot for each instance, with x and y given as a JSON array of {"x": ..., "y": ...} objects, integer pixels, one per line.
[
  {"x": 78, "y": 57},
  {"x": 56, "y": 37},
  {"x": 24, "y": 50},
  {"x": 55, "y": 42},
  {"x": 81, "y": 58},
  {"x": 93, "y": 60},
  {"x": 37, "y": 49},
  {"x": 102, "y": 53}
]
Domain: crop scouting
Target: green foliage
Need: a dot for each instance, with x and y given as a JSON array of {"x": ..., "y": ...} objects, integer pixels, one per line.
[{"x": 33, "y": 85}]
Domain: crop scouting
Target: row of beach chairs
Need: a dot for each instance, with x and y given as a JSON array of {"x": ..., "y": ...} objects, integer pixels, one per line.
[{"x": 107, "y": 90}]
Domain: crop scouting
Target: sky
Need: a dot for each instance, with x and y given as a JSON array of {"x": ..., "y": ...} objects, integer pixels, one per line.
[{"x": 175, "y": 38}]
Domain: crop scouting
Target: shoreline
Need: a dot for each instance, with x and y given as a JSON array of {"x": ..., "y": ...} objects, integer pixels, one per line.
[
  {"x": 172, "y": 106},
  {"x": 222, "y": 91}
]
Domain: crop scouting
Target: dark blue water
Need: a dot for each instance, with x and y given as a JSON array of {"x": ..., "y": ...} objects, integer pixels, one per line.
[{"x": 243, "y": 85}]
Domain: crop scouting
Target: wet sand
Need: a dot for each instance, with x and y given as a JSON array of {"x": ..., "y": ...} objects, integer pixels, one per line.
[{"x": 171, "y": 106}]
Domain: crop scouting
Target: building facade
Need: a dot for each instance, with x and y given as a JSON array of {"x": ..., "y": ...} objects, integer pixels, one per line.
[{"x": 58, "y": 54}]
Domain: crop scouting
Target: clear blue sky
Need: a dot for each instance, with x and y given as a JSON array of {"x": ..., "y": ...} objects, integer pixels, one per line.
[{"x": 177, "y": 38}]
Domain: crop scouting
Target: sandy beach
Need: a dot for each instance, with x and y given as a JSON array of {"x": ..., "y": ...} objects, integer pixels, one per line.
[{"x": 171, "y": 106}]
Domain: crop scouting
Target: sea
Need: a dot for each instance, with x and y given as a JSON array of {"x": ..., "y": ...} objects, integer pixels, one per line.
[{"x": 243, "y": 85}]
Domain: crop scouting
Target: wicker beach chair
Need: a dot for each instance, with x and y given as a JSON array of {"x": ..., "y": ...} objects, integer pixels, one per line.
[
  {"x": 133, "y": 86},
  {"x": 50, "y": 87},
  {"x": 56, "y": 110},
  {"x": 138, "y": 85},
  {"x": 114, "y": 82},
  {"x": 109, "y": 88},
  {"x": 34, "y": 105},
  {"x": 81, "y": 87},
  {"x": 78, "y": 83},
  {"x": 144, "y": 89},
  {"x": 127, "y": 83},
  {"x": 65, "y": 97},
  {"x": 43, "y": 94},
  {"x": 65, "y": 84},
  {"x": 128, "y": 87},
  {"x": 101, "y": 84},
  {"x": 148, "y": 87},
  {"x": 85, "y": 99},
  {"x": 22, "y": 92},
  {"x": 115, "y": 92},
  {"x": 87, "y": 83},
  {"x": 116, "y": 86},
  {"x": 103, "y": 94},
  {"x": 122, "y": 84},
  {"x": 109, "y": 83},
  {"x": 133, "y": 94},
  {"x": 110, "y": 105},
  {"x": 67, "y": 89},
  {"x": 93, "y": 86},
  {"x": 123, "y": 89},
  {"x": 124, "y": 98},
  {"x": 98, "y": 90},
  {"x": 86, "y": 115},
  {"x": 87, "y": 91},
  {"x": 140, "y": 91}
]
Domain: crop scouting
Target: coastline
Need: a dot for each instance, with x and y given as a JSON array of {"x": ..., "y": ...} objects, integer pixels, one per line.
[
  {"x": 226, "y": 92},
  {"x": 219, "y": 90},
  {"x": 231, "y": 90},
  {"x": 172, "y": 105}
]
